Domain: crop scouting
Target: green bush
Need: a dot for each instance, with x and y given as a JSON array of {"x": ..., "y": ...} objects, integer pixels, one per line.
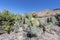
[{"x": 7, "y": 28}]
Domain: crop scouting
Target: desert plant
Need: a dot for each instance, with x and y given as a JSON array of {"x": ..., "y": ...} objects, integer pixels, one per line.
[
  {"x": 7, "y": 28},
  {"x": 27, "y": 21},
  {"x": 16, "y": 26},
  {"x": 41, "y": 22},
  {"x": 35, "y": 30},
  {"x": 54, "y": 20},
  {"x": 25, "y": 25},
  {"x": 48, "y": 27},
  {"x": 29, "y": 16},
  {"x": 36, "y": 22}
]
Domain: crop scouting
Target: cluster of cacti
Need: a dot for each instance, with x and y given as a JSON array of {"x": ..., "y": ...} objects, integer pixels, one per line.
[
  {"x": 34, "y": 24},
  {"x": 15, "y": 21}
]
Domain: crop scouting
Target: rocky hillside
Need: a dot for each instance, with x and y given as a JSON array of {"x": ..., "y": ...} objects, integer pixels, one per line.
[{"x": 43, "y": 25}]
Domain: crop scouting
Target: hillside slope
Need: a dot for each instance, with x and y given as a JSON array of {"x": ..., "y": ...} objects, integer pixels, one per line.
[{"x": 43, "y": 25}]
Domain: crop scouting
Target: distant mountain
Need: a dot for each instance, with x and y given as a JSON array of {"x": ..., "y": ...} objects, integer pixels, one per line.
[
  {"x": 57, "y": 9},
  {"x": 46, "y": 12}
]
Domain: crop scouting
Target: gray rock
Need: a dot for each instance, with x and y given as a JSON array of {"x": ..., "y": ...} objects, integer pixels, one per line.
[{"x": 1, "y": 30}]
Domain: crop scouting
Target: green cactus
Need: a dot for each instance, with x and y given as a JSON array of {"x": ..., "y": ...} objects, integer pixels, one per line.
[
  {"x": 27, "y": 21},
  {"x": 35, "y": 30},
  {"x": 48, "y": 27},
  {"x": 16, "y": 26},
  {"x": 29, "y": 16},
  {"x": 54, "y": 20},
  {"x": 36, "y": 22},
  {"x": 41, "y": 22}
]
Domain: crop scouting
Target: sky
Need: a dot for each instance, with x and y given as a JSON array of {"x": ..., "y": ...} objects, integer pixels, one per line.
[{"x": 26, "y": 6}]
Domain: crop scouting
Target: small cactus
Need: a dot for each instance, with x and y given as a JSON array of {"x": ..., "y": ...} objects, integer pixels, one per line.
[
  {"x": 32, "y": 19},
  {"x": 54, "y": 20},
  {"x": 35, "y": 30},
  {"x": 36, "y": 22},
  {"x": 48, "y": 27},
  {"x": 27, "y": 21},
  {"x": 25, "y": 25},
  {"x": 16, "y": 26},
  {"x": 29, "y": 16},
  {"x": 41, "y": 22}
]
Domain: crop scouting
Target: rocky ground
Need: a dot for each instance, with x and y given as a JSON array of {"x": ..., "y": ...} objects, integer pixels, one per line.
[{"x": 21, "y": 35}]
